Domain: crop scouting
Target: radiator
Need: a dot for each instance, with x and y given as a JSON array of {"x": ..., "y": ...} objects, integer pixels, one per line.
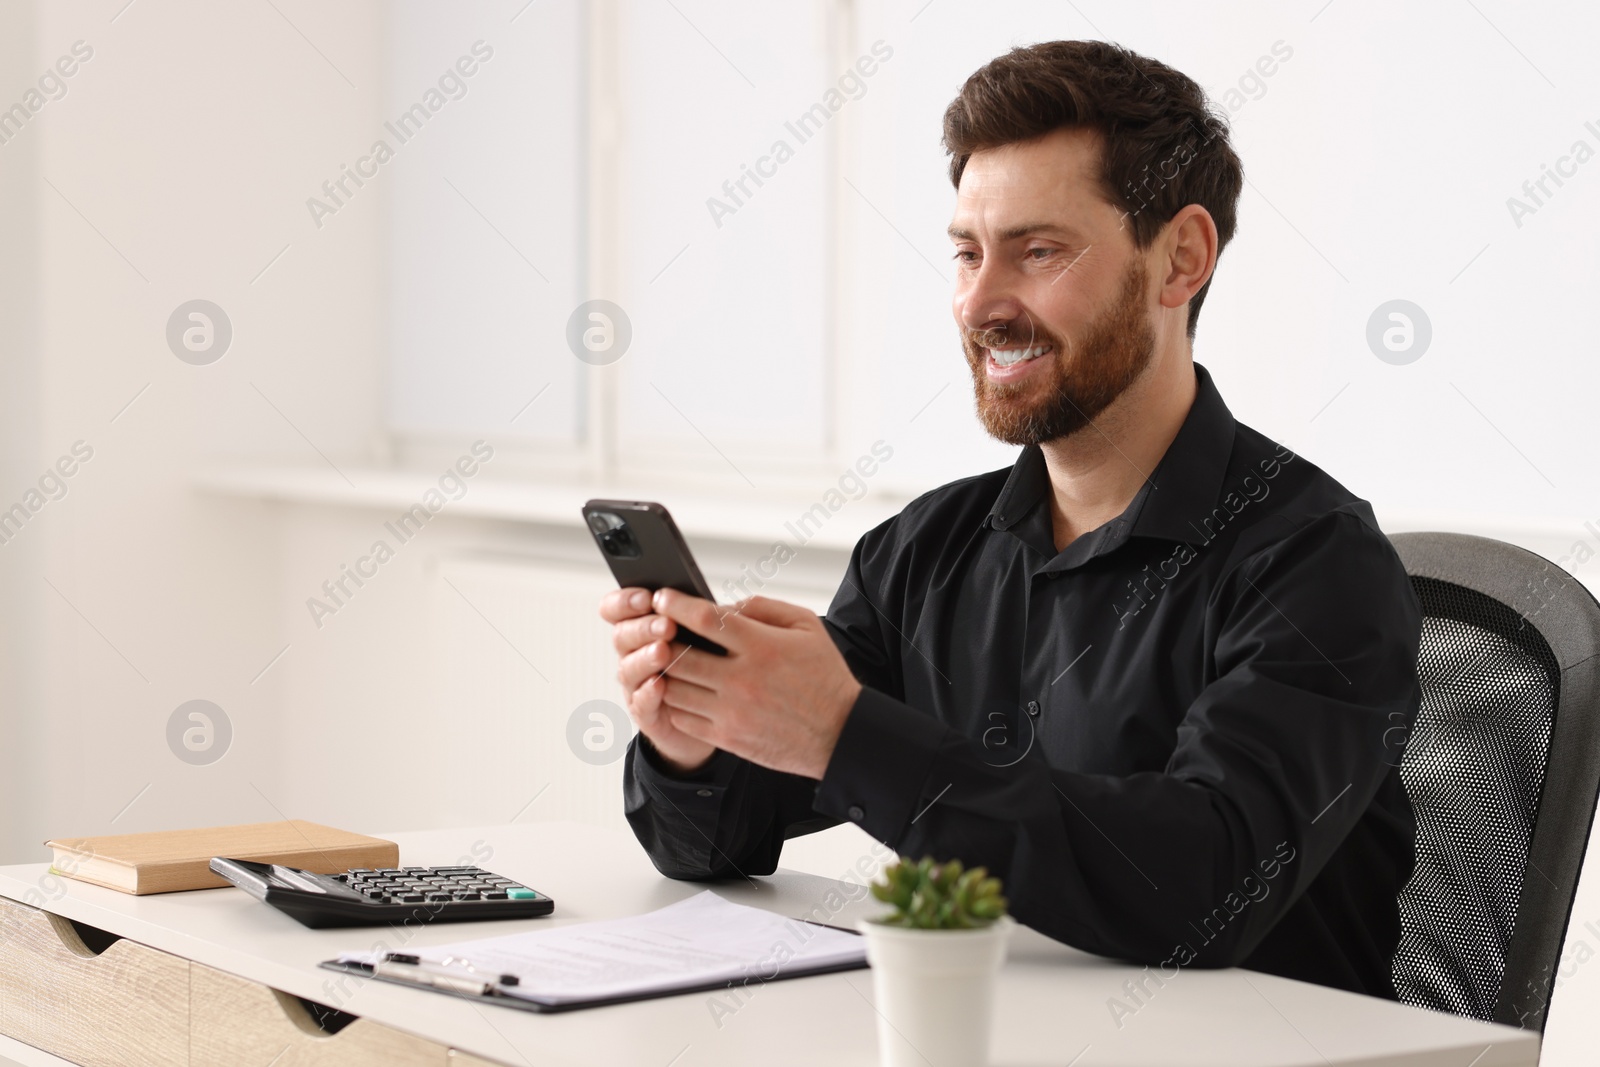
[{"x": 521, "y": 649}]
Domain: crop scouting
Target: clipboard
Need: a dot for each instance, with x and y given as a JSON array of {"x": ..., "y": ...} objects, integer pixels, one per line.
[
  {"x": 488, "y": 993},
  {"x": 721, "y": 945}
]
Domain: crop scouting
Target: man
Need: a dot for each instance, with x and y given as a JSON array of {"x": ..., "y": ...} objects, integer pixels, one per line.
[{"x": 1155, "y": 674}]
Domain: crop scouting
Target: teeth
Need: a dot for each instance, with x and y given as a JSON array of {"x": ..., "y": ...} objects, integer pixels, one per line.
[{"x": 1005, "y": 357}]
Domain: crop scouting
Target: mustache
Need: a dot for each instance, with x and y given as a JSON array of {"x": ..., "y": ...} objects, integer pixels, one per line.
[{"x": 989, "y": 337}]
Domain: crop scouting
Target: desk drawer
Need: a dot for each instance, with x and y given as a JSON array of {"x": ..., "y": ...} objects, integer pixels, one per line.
[
  {"x": 127, "y": 1004},
  {"x": 234, "y": 1021}
]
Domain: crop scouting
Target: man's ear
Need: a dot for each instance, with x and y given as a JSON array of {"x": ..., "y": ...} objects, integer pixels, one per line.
[{"x": 1189, "y": 245}]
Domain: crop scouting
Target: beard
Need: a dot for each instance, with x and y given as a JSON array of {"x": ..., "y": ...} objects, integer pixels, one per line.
[{"x": 1081, "y": 381}]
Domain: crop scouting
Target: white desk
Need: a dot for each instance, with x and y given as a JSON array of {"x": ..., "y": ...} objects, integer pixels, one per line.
[{"x": 1052, "y": 1004}]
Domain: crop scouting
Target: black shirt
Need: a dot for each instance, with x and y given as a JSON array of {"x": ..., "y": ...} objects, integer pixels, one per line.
[{"x": 1176, "y": 740}]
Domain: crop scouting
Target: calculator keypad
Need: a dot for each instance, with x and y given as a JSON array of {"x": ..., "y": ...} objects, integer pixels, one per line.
[{"x": 432, "y": 885}]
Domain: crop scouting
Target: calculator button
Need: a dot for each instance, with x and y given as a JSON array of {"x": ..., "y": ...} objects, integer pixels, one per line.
[
  {"x": 495, "y": 894},
  {"x": 520, "y": 893}
]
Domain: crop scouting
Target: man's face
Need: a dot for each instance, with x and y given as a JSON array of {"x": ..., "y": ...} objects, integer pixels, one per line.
[{"x": 1051, "y": 295}]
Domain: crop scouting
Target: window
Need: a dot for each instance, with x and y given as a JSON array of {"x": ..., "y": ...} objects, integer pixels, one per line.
[
  {"x": 789, "y": 307},
  {"x": 487, "y": 256}
]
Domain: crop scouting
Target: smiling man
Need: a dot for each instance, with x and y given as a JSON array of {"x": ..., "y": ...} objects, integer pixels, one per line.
[{"x": 1154, "y": 674}]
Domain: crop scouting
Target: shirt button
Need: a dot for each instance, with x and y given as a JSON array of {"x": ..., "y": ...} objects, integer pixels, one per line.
[
  {"x": 702, "y": 792},
  {"x": 856, "y": 813},
  {"x": 1033, "y": 708}
]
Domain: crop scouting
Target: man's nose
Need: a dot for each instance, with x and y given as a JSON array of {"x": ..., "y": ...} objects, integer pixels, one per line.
[{"x": 987, "y": 299}]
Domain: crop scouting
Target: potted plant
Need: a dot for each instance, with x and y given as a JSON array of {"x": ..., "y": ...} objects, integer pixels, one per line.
[{"x": 934, "y": 959}]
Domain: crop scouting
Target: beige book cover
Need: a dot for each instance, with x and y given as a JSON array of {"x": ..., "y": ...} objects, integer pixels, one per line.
[{"x": 174, "y": 860}]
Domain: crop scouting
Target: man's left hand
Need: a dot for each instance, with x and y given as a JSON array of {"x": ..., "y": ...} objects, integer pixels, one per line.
[{"x": 778, "y": 698}]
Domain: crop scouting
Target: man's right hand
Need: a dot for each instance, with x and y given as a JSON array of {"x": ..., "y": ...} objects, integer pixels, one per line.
[{"x": 644, "y": 644}]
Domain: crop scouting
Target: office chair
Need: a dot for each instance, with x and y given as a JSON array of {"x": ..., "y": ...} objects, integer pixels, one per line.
[{"x": 1503, "y": 769}]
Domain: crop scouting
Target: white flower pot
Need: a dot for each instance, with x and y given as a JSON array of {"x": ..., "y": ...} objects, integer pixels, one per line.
[{"x": 935, "y": 992}]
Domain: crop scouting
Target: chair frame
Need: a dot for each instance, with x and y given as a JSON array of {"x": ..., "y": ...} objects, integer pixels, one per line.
[{"x": 1567, "y": 615}]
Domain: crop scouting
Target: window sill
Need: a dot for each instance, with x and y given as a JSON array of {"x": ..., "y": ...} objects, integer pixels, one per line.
[{"x": 752, "y": 518}]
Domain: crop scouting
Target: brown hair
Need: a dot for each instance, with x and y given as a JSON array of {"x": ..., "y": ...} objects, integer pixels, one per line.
[{"x": 1162, "y": 146}]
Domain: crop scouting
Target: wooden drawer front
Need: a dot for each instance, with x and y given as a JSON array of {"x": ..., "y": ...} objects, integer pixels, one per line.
[
  {"x": 233, "y": 1021},
  {"x": 129, "y": 1004}
]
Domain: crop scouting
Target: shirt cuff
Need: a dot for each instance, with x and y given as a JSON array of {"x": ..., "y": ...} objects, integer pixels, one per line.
[
  {"x": 880, "y": 766},
  {"x": 717, "y": 770},
  {"x": 687, "y": 809},
  {"x": 698, "y": 793}
]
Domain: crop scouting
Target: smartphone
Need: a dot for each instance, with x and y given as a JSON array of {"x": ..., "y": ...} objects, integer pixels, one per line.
[{"x": 643, "y": 547}]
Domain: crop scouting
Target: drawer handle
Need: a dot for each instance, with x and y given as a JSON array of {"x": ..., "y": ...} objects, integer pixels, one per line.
[
  {"x": 311, "y": 1018},
  {"x": 81, "y": 939}
]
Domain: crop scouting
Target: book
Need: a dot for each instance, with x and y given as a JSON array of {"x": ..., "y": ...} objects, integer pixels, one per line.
[
  {"x": 174, "y": 860},
  {"x": 700, "y": 943}
]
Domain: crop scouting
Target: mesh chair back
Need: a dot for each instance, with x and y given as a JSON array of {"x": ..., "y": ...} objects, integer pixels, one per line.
[{"x": 1503, "y": 771}]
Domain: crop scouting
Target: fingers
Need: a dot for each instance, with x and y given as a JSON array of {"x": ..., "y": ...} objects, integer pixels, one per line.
[
  {"x": 721, "y": 625},
  {"x": 775, "y": 612},
  {"x": 680, "y": 695},
  {"x": 620, "y": 604},
  {"x": 632, "y": 634},
  {"x": 693, "y": 725},
  {"x": 692, "y": 665},
  {"x": 640, "y": 665},
  {"x": 644, "y": 704},
  {"x": 683, "y": 750}
]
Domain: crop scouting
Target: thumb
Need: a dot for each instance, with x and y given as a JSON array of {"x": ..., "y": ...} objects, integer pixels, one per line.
[{"x": 775, "y": 612}]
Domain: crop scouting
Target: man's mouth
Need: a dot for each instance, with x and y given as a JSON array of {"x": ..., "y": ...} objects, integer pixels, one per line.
[{"x": 1007, "y": 357}]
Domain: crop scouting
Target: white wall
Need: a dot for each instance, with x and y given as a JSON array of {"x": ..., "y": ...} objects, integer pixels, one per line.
[
  {"x": 175, "y": 167},
  {"x": 20, "y": 645}
]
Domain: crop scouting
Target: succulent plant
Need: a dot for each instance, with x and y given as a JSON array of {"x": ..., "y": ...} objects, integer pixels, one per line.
[{"x": 932, "y": 896}]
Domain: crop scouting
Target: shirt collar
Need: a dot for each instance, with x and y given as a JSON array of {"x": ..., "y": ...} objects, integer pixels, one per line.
[{"x": 1182, "y": 489}]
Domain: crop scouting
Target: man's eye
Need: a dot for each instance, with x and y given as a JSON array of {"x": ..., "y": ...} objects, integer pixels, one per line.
[
  {"x": 965, "y": 256},
  {"x": 1040, "y": 253}
]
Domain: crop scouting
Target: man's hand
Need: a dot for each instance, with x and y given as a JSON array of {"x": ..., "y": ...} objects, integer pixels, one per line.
[
  {"x": 642, "y": 640},
  {"x": 779, "y": 698}
]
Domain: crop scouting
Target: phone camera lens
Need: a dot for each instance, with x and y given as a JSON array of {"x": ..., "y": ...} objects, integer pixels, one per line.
[
  {"x": 602, "y": 521},
  {"x": 620, "y": 542},
  {"x": 613, "y": 534}
]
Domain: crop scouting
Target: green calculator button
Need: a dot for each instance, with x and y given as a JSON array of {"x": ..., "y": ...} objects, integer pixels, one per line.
[{"x": 521, "y": 894}]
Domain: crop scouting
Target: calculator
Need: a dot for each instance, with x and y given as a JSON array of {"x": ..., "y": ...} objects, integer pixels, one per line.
[{"x": 379, "y": 896}]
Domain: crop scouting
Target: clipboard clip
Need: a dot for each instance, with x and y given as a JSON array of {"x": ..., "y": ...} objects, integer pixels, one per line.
[{"x": 454, "y": 974}]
